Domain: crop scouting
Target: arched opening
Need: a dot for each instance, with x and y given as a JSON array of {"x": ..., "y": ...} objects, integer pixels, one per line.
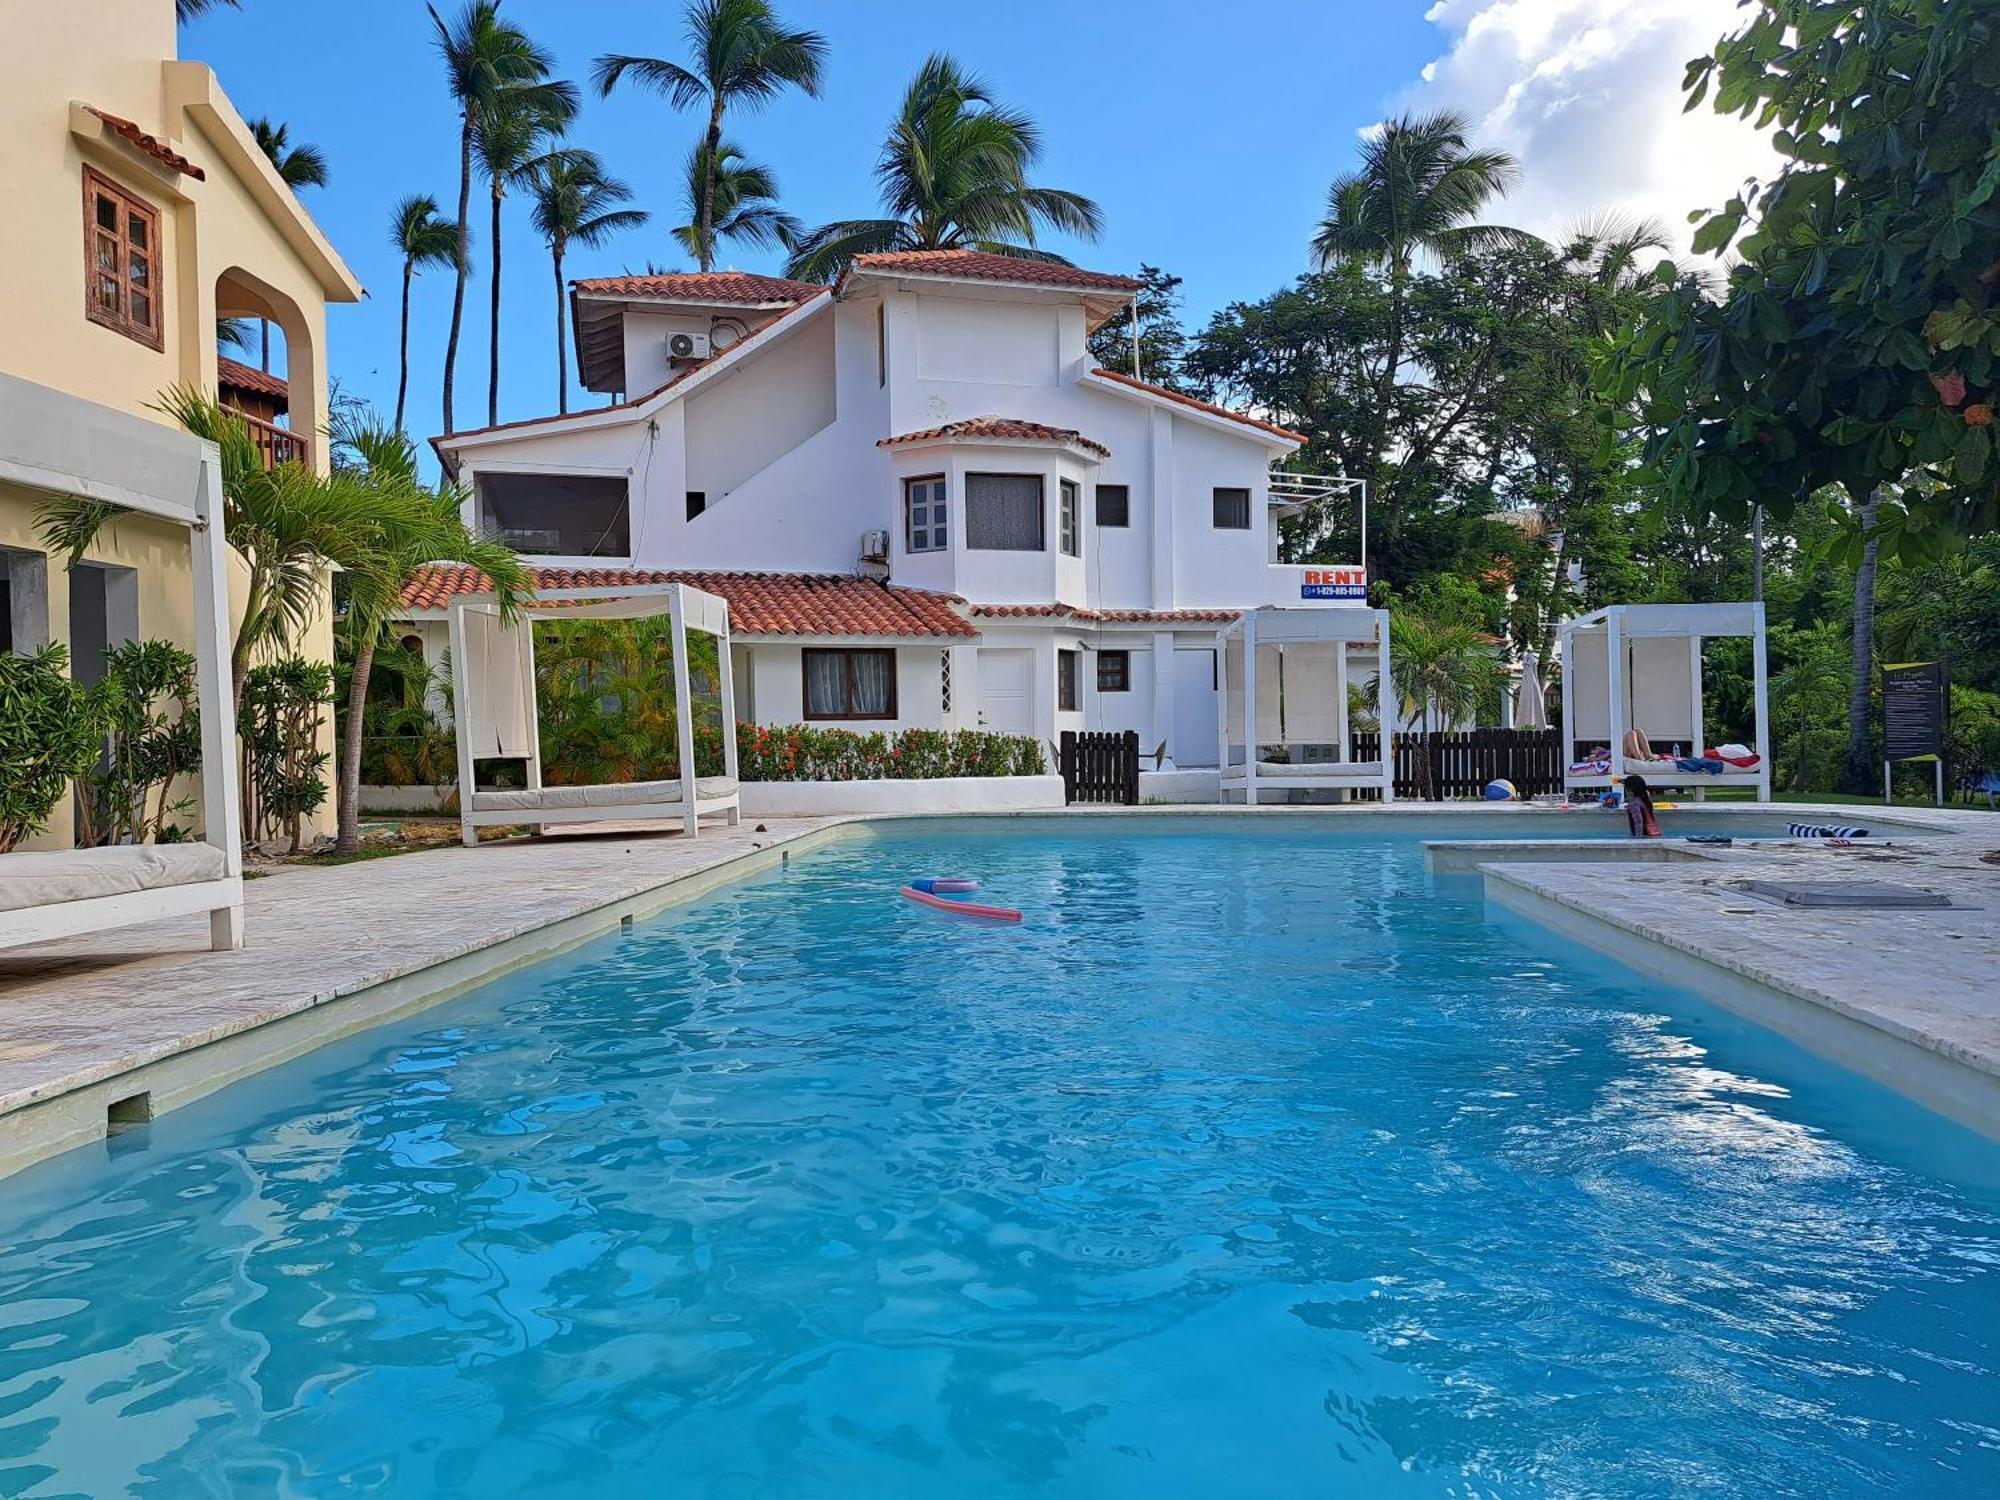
[{"x": 265, "y": 367}]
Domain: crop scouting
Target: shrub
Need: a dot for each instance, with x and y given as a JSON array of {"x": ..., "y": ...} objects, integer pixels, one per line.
[
  {"x": 51, "y": 732},
  {"x": 153, "y": 738},
  {"x": 284, "y": 706},
  {"x": 799, "y": 752}
]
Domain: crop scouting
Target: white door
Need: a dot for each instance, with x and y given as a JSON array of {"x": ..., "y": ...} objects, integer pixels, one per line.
[
  {"x": 1004, "y": 680},
  {"x": 1194, "y": 709}
]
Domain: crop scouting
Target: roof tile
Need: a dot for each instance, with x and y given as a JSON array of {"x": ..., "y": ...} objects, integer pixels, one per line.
[
  {"x": 140, "y": 139},
  {"x": 801, "y": 604},
  {"x": 1208, "y": 406},
  {"x": 234, "y": 373},
  {"x": 998, "y": 427},
  {"x": 981, "y": 265},
  {"x": 1104, "y": 616},
  {"x": 702, "y": 286}
]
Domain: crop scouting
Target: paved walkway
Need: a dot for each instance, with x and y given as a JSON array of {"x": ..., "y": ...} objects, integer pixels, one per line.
[{"x": 75, "y": 1012}]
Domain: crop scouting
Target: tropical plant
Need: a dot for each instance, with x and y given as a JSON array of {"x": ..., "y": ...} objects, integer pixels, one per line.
[
  {"x": 423, "y": 240},
  {"x": 741, "y": 55},
  {"x": 411, "y": 525},
  {"x": 1442, "y": 672},
  {"x": 51, "y": 732},
  {"x": 284, "y": 708},
  {"x": 1808, "y": 693},
  {"x": 606, "y": 694},
  {"x": 490, "y": 65},
  {"x": 152, "y": 738},
  {"x": 187, "y": 10},
  {"x": 575, "y": 203},
  {"x": 510, "y": 136},
  {"x": 801, "y": 752},
  {"x": 742, "y": 203},
  {"x": 953, "y": 174}
]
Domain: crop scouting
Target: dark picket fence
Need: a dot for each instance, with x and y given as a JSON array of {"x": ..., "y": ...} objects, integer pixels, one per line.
[
  {"x": 1463, "y": 762},
  {"x": 1100, "y": 767}
]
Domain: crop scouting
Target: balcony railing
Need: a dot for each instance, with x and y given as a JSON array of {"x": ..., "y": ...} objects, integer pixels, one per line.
[
  {"x": 279, "y": 445},
  {"x": 1289, "y": 487}
]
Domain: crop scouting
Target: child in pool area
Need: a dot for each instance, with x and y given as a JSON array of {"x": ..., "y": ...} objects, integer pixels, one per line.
[{"x": 1639, "y": 808}]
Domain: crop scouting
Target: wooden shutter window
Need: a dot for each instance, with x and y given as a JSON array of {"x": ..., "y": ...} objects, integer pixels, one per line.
[{"x": 121, "y": 261}]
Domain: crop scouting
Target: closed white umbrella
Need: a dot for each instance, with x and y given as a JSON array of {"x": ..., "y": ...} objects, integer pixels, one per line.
[{"x": 1531, "y": 708}]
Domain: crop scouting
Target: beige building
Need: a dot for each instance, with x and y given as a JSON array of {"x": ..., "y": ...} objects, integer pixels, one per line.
[{"x": 140, "y": 211}]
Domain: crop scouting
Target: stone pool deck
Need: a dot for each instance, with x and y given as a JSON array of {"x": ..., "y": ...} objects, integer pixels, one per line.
[
  {"x": 1908, "y": 997},
  {"x": 149, "y": 1012}
]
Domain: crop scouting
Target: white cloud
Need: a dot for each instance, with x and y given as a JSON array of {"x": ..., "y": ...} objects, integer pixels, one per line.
[{"x": 1587, "y": 93}]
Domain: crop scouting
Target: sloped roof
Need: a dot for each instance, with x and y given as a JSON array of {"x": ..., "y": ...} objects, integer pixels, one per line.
[
  {"x": 981, "y": 265},
  {"x": 1103, "y": 616},
  {"x": 1009, "y": 428},
  {"x": 778, "y": 604},
  {"x": 234, "y": 374},
  {"x": 142, "y": 140},
  {"x": 1195, "y": 404},
  {"x": 741, "y": 287}
]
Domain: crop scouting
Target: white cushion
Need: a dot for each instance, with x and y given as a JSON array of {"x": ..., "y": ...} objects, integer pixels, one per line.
[
  {"x": 625, "y": 794},
  {"x": 44, "y": 879},
  {"x": 1329, "y": 768}
]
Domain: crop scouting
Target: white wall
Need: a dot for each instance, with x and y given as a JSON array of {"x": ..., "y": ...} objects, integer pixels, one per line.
[
  {"x": 776, "y": 673},
  {"x": 741, "y": 424},
  {"x": 944, "y": 794}
]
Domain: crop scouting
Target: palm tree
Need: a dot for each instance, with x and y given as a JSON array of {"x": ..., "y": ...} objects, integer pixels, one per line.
[
  {"x": 575, "y": 204},
  {"x": 483, "y": 57},
  {"x": 187, "y": 10},
  {"x": 298, "y": 166},
  {"x": 741, "y": 54},
  {"x": 1417, "y": 195},
  {"x": 743, "y": 204},
  {"x": 409, "y": 525},
  {"x": 423, "y": 240},
  {"x": 508, "y": 136},
  {"x": 1442, "y": 673},
  {"x": 953, "y": 173}
]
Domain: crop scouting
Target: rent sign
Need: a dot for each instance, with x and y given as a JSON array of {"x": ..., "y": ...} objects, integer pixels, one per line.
[{"x": 1344, "y": 582}]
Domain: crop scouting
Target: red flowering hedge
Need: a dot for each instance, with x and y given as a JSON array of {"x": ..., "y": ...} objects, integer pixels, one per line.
[{"x": 798, "y": 752}]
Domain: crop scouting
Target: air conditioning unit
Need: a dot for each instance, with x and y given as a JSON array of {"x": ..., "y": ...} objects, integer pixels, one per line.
[
  {"x": 874, "y": 546},
  {"x": 687, "y": 346}
]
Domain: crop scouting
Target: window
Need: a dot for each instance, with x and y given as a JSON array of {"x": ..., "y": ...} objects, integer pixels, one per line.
[
  {"x": 1066, "y": 694},
  {"x": 944, "y": 682},
  {"x": 697, "y": 502},
  {"x": 1114, "y": 505},
  {"x": 1114, "y": 671},
  {"x": 881, "y": 343},
  {"x": 850, "y": 684},
  {"x": 1003, "y": 513},
  {"x": 121, "y": 266},
  {"x": 1232, "y": 510},
  {"x": 556, "y": 515},
  {"x": 1069, "y": 522},
  {"x": 923, "y": 514}
]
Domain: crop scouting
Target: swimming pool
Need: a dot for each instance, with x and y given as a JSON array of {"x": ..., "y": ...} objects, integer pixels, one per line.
[{"x": 1257, "y": 1162}]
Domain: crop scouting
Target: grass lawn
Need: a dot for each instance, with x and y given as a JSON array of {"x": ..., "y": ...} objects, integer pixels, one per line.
[{"x": 1744, "y": 794}]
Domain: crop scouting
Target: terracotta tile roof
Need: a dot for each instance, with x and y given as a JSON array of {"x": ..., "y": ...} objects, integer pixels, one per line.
[
  {"x": 998, "y": 427},
  {"x": 236, "y": 375},
  {"x": 698, "y": 286},
  {"x": 980, "y": 265},
  {"x": 1104, "y": 616},
  {"x": 1208, "y": 406},
  {"x": 151, "y": 145},
  {"x": 804, "y": 604}
]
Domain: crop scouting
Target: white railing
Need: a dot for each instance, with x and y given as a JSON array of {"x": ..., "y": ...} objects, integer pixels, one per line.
[{"x": 1293, "y": 487}]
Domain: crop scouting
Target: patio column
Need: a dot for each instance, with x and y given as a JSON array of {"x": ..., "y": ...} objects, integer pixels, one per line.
[
  {"x": 1162, "y": 732},
  {"x": 221, "y": 805}
]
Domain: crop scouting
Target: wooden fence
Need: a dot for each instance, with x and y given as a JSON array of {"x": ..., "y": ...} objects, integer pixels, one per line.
[
  {"x": 1463, "y": 762},
  {"x": 1100, "y": 767}
]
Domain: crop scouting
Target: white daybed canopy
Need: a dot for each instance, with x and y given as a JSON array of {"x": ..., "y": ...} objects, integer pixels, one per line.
[
  {"x": 1638, "y": 666},
  {"x": 63, "y": 445},
  {"x": 493, "y": 678},
  {"x": 1282, "y": 680}
]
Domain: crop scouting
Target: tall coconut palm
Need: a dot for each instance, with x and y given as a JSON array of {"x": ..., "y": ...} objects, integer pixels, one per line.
[
  {"x": 1417, "y": 196},
  {"x": 483, "y": 57},
  {"x": 510, "y": 133},
  {"x": 740, "y": 54},
  {"x": 298, "y": 166},
  {"x": 953, "y": 173},
  {"x": 187, "y": 10},
  {"x": 409, "y": 525},
  {"x": 423, "y": 240},
  {"x": 743, "y": 204},
  {"x": 575, "y": 203}
]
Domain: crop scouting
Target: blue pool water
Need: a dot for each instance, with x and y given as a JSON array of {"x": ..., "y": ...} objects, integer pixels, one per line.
[{"x": 1256, "y": 1163}]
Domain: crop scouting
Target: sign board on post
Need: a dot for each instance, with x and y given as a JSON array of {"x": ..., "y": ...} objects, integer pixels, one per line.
[
  {"x": 1916, "y": 701},
  {"x": 1340, "y": 581}
]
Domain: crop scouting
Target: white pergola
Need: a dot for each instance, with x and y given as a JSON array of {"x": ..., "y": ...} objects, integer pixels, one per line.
[
  {"x": 56, "y": 444},
  {"x": 1639, "y": 666},
  {"x": 1282, "y": 679},
  {"x": 496, "y": 715}
]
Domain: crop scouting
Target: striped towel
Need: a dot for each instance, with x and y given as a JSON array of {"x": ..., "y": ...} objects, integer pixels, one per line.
[{"x": 1826, "y": 831}]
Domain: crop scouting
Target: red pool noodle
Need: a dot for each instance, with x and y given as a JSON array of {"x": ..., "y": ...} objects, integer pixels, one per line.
[{"x": 962, "y": 908}]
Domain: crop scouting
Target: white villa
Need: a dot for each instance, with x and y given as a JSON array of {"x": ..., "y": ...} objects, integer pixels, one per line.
[{"x": 924, "y": 504}]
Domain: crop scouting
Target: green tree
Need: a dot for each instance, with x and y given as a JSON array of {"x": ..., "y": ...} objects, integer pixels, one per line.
[
  {"x": 575, "y": 203},
  {"x": 51, "y": 732},
  {"x": 152, "y": 737},
  {"x": 187, "y": 10},
  {"x": 488, "y": 62},
  {"x": 1442, "y": 671},
  {"x": 954, "y": 174},
  {"x": 741, "y": 55},
  {"x": 1163, "y": 341},
  {"x": 408, "y": 525},
  {"x": 423, "y": 240},
  {"x": 741, "y": 201},
  {"x": 512, "y": 133}
]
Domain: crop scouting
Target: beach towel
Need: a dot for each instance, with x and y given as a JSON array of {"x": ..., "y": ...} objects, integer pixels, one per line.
[
  {"x": 1826, "y": 831},
  {"x": 1704, "y": 765}
]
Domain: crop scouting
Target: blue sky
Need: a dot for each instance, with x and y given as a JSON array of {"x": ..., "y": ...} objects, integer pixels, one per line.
[{"x": 1207, "y": 132}]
